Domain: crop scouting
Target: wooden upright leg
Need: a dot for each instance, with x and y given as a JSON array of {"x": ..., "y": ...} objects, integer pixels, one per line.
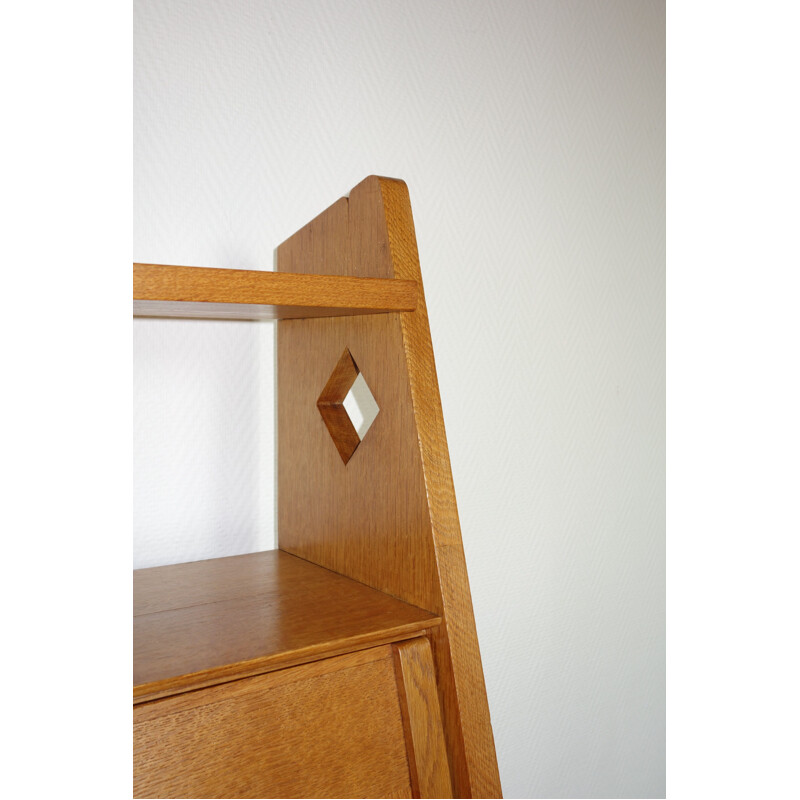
[{"x": 422, "y": 720}]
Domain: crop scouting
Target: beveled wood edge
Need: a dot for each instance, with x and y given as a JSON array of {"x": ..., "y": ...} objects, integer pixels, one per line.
[
  {"x": 474, "y": 762},
  {"x": 276, "y": 294},
  {"x": 292, "y": 674},
  {"x": 153, "y": 690}
]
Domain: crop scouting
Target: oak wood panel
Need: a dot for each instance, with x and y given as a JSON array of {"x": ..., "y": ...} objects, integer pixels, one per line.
[
  {"x": 206, "y": 622},
  {"x": 387, "y": 518},
  {"x": 366, "y": 519},
  {"x": 184, "y": 701},
  {"x": 422, "y": 721},
  {"x": 328, "y": 729},
  {"x": 161, "y": 290}
]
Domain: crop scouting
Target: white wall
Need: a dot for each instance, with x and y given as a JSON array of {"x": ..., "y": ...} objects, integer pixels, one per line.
[{"x": 531, "y": 135}]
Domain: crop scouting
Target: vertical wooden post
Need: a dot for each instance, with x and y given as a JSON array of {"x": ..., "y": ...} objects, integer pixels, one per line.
[{"x": 422, "y": 721}]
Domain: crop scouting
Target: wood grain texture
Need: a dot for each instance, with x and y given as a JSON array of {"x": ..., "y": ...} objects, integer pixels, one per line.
[
  {"x": 333, "y": 413},
  {"x": 422, "y": 721},
  {"x": 328, "y": 729},
  {"x": 457, "y": 635},
  {"x": 212, "y": 621},
  {"x": 202, "y": 292},
  {"x": 366, "y": 519},
  {"x": 387, "y": 518}
]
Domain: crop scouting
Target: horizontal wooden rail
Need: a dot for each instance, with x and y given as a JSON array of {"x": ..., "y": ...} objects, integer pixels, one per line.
[{"x": 209, "y": 293}]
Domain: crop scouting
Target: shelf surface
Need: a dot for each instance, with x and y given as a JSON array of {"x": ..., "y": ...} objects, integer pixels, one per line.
[
  {"x": 208, "y": 293},
  {"x": 207, "y": 622}
]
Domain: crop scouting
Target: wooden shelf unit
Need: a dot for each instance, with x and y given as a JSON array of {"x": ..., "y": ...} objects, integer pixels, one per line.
[{"x": 346, "y": 663}]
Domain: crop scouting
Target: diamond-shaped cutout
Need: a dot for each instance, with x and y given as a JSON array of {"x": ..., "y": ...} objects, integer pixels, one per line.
[
  {"x": 360, "y": 406},
  {"x": 347, "y": 406}
]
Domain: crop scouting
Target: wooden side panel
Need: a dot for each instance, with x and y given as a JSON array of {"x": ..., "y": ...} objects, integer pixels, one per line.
[
  {"x": 328, "y": 729},
  {"x": 388, "y": 517},
  {"x": 368, "y": 518},
  {"x": 422, "y": 720}
]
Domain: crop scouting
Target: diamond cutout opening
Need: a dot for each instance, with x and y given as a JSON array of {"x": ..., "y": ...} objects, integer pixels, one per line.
[
  {"x": 360, "y": 406},
  {"x": 347, "y": 406}
]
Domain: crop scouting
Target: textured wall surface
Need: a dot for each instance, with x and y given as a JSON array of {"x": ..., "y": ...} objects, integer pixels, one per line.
[{"x": 531, "y": 135}]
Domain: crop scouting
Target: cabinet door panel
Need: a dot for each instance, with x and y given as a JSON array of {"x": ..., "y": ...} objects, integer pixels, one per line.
[{"x": 332, "y": 728}]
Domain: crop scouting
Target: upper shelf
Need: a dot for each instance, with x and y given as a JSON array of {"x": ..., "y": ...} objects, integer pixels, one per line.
[{"x": 209, "y": 293}]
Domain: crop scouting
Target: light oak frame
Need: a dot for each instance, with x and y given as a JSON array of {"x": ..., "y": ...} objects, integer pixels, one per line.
[{"x": 381, "y": 512}]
